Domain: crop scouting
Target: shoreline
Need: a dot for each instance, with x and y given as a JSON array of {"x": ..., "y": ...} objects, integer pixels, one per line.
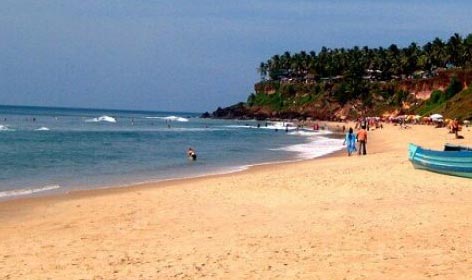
[
  {"x": 103, "y": 190},
  {"x": 229, "y": 170},
  {"x": 370, "y": 217},
  {"x": 334, "y": 127}
]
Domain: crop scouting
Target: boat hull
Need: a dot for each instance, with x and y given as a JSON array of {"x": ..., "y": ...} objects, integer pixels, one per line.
[{"x": 456, "y": 163}]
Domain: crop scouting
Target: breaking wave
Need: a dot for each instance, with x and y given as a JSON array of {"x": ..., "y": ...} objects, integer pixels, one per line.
[
  {"x": 306, "y": 132},
  {"x": 27, "y": 191},
  {"x": 5, "y": 128},
  {"x": 170, "y": 118},
  {"x": 102, "y": 119},
  {"x": 316, "y": 148}
]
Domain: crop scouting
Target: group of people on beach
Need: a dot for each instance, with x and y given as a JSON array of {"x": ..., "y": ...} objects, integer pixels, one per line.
[{"x": 351, "y": 139}]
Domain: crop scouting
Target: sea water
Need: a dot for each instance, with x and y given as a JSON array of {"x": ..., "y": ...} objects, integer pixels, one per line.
[{"x": 45, "y": 150}]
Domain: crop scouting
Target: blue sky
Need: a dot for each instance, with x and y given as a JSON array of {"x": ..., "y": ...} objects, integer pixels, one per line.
[{"x": 188, "y": 55}]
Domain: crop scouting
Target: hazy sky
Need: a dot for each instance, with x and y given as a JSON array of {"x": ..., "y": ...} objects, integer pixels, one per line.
[{"x": 188, "y": 55}]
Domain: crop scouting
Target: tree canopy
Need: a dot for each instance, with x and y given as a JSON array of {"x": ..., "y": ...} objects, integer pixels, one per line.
[{"x": 376, "y": 63}]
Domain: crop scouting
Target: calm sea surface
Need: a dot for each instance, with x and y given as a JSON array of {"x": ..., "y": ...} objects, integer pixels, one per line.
[{"x": 44, "y": 150}]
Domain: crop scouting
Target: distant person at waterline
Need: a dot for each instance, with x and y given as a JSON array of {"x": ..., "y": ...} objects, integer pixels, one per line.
[
  {"x": 192, "y": 155},
  {"x": 350, "y": 142},
  {"x": 362, "y": 139}
]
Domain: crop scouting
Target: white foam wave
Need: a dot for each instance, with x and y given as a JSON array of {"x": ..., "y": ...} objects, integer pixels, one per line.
[
  {"x": 309, "y": 132},
  {"x": 303, "y": 133},
  {"x": 27, "y": 191},
  {"x": 278, "y": 127},
  {"x": 273, "y": 126},
  {"x": 239, "y": 126},
  {"x": 293, "y": 130},
  {"x": 43, "y": 128},
  {"x": 317, "y": 148},
  {"x": 195, "y": 129},
  {"x": 170, "y": 118},
  {"x": 5, "y": 128},
  {"x": 102, "y": 119}
]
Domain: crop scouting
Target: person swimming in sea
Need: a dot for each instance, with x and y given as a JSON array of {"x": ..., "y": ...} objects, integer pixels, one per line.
[{"x": 192, "y": 155}]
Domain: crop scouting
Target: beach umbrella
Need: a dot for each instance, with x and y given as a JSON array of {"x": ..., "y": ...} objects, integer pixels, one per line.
[
  {"x": 466, "y": 122},
  {"x": 436, "y": 116}
]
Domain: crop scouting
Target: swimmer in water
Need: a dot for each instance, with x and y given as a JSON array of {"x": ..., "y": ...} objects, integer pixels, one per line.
[{"x": 191, "y": 154}]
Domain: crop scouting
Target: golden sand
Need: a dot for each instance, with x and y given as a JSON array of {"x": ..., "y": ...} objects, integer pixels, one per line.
[{"x": 339, "y": 217}]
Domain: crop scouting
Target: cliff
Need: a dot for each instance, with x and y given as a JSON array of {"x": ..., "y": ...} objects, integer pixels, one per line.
[{"x": 329, "y": 99}]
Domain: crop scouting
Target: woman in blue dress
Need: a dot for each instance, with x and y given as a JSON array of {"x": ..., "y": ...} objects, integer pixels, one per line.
[{"x": 350, "y": 142}]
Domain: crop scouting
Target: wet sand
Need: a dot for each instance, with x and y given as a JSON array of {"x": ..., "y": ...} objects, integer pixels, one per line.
[{"x": 338, "y": 217}]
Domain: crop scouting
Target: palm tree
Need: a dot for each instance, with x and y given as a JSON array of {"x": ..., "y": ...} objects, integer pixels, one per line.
[
  {"x": 262, "y": 70},
  {"x": 468, "y": 51},
  {"x": 411, "y": 59},
  {"x": 454, "y": 48},
  {"x": 273, "y": 66},
  {"x": 285, "y": 60},
  {"x": 425, "y": 59},
  {"x": 355, "y": 61},
  {"x": 439, "y": 54}
]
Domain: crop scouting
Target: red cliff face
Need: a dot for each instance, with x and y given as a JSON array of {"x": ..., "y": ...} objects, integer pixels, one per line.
[
  {"x": 422, "y": 88},
  {"x": 265, "y": 87},
  {"x": 324, "y": 106}
]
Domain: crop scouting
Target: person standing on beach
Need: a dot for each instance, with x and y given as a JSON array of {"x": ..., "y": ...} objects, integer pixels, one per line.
[
  {"x": 455, "y": 128},
  {"x": 350, "y": 142},
  {"x": 362, "y": 139}
]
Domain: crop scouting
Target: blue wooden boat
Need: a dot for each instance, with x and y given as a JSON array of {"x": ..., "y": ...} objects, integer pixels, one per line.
[{"x": 456, "y": 163}]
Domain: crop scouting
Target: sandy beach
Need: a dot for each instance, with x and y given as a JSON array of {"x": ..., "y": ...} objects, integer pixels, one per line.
[{"x": 338, "y": 217}]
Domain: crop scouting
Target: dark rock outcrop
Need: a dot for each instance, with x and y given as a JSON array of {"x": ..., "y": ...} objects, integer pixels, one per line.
[
  {"x": 236, "y": 111},
  {"x": 205, "y": 115}
]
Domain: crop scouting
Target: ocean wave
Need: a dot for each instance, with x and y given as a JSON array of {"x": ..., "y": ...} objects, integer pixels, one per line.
[
  {"x": 303, "y": 133},
  {"x": 293, "y": 129},
  {"x": 102, "y": 119},
  {"x": 309, "y": 132},
  {"x": 193, "y": 129},
  {"x": 317, "y": 148},
  {"x": 273, "y": 126},
  {"x": 239, "y": 126},
  {"x": 43, "y": 128},
  {"x": 28, "y": 191},
  {"x": 5, "y": 128},
  {"x": 170, "y": 118}
]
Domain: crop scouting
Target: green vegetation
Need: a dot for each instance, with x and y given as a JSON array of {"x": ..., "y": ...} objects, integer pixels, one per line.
[
  {"x": 375, "y": 64},
  {"x": 459, "y": 106},
  {"x": 273, "y": 101},
  {"x": 364, "y": 79},
  {"x": 438, "y": 98},
  {"x": 454, "y": 87},
  {"x": 432, "y": 104},
  {"x": 453, "y": 102}
]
